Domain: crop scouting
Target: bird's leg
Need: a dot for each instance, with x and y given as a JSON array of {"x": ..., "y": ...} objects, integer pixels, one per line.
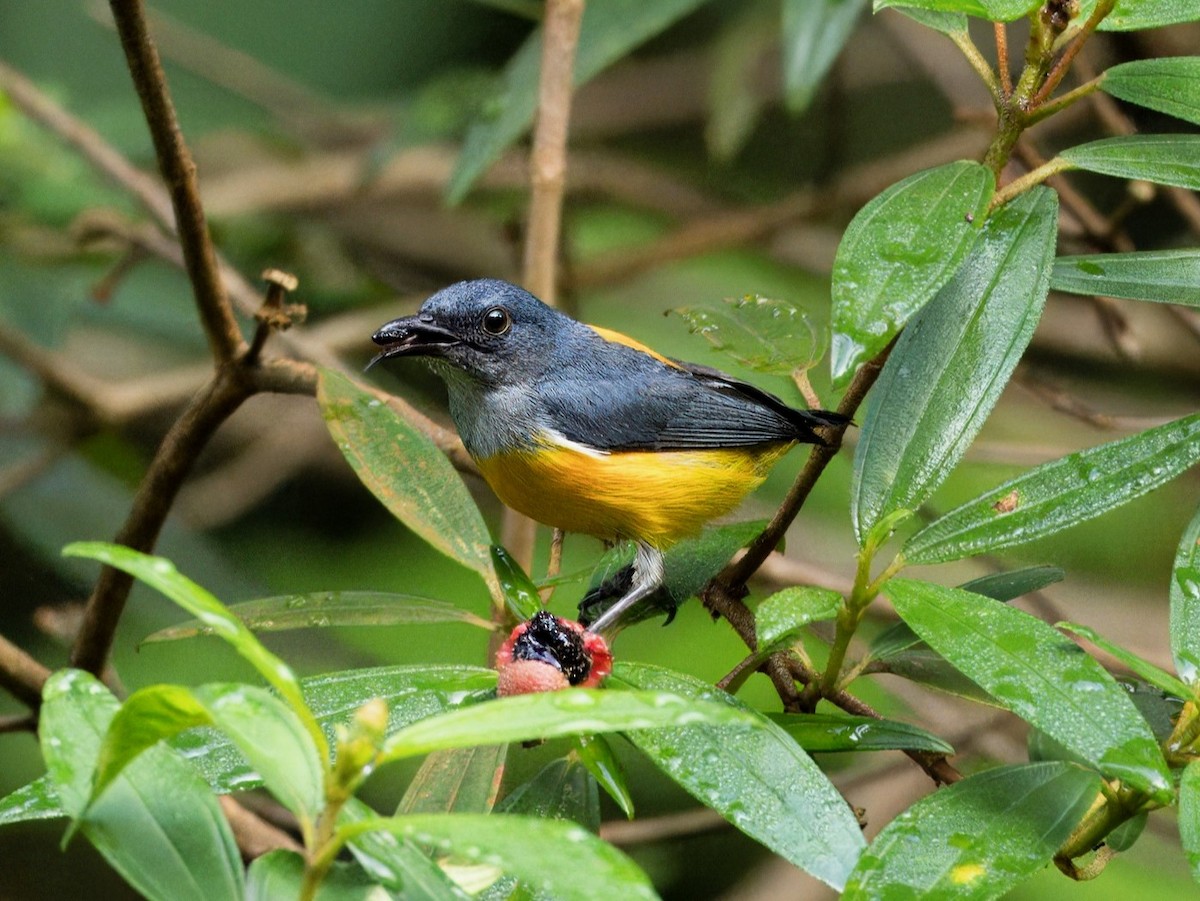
[{"x": 647, "y": 577}]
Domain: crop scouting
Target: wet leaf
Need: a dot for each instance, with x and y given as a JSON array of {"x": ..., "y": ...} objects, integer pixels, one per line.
[
  {"x": 1060, "y": 494},
  {"x": 457, "y": 780},
  {"x": 1135, "y": 15},
  {"x": 608, "y": 32},
  {"x": 1185, "y": 604},
  {"x": 1039, "y": 675},
  {"x": 321, "y": 609},
  {"x": 816, "y": 732},
  {"x": 403, "y": 468},
  {"x": 35, "y": 801},
  {"x": 1189, "y": 815},
  {"x": 978, "y": 838},
  {"x": 761, "y": 333},
  {"x": 1169, "y": 159},
  {"x": 410, "y": 692},
  {"x": 994, "y": 10},
  {"x": 759, "y": 779},
  {"x": 158, "y": 825},
  {"x": 520, "y": 594},
  {"x": 1170, "y": 85},
  {"x": 784, "y": 614},
  {"x": 1143, "y": 669},
  {"x": 398, "y": 864},
  {"x": 161, "y": 575},
  {"x": 814, "y": 32},
  {"x": 952, "y": 362},
  {"x": 562, "y": 859},
  {"x": 595, "y": 753},
  {"x": 572, "y": 711},
  {"x": 897, "y": 253},
  {"x": 1012, "y": 584},
  {"x": 561, "y": 790},
  {"x": 263, "y": 728},
  {"x": 1162, "y": 276},
  {"x": 279, "y": 876}
]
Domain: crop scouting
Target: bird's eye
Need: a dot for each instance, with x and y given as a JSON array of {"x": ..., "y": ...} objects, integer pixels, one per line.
[{"x": 496, "y": 321}]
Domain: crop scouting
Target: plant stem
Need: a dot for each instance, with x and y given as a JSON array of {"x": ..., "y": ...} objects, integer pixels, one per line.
[{"x": 1030, "y": 179}]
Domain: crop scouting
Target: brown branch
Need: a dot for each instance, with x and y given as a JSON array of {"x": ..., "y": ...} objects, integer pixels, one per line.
[
  {"x": 21, "y": 675},
  {"x": 1002, "y": 59},
  {"x": 171, "y": 464},
  {"x": 548, "y": 161},
  {"x": 254, "y": 835},
  {"x": 179, "y": 172},
  {"x": 20, "y": 722}
]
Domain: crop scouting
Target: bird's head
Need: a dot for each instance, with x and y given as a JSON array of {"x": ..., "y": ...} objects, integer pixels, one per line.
[{"x": 491, "y": 330}]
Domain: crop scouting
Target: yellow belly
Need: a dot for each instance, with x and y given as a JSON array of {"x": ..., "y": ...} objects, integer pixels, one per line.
[{"x": 653, "y": 496}]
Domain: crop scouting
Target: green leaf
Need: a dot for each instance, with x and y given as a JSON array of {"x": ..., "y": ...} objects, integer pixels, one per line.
[
  {"x": 561, "y": 790},
  {"x": 1143, "y": 669},
  {"x": 784, "y": 614},
  {"x": 161, "y": 575},
  {"x": 1039, "y": 675},
  {"x": 403, "y": 468},
  {"x": 1136, "y": 15},
  {"x": 1189, "y": 815},
  {"x": 320, "y": 609},
  {"x": 814, "y": 32},
  {"x": 993, "y": 10},
  {"x": 559, "y": 858},
  {"x": 1125, "y": 835},
  {"x": 760, "y": 333},
  {"x": 572, "y": 711},
  {"x": 36, "y": 801},
  {"x": 1163, "y": 276},
  {"x": 1170, "y": 85},
  {"x": 457, "y": 780},
  {"x": 759, "y": 779},
  {"x": 411, "y": 693},
  {"x": 398, "y": 865},
  {"x": 158, "y": 825},
  {"x": 978, "y": 838},
  {"x": 948, "y": 23},
  {"x": 595, "y": 753},
  {"x": 520, "y": 594},
  {"x": 1171, "y": 159},
  {"x": 952, "y": 362},
  {"x": 817, "y": 732},
  {"x": 279, "y": 876},
  {"x": 1185, "y": 604},
  {"x": 609, "y": 31},
  {"x": 263, "y": 728},
  {"x": 1060, "y": 494},
  {"x": 897, "y": 253},
  {"x": 1012, "y": 584}
]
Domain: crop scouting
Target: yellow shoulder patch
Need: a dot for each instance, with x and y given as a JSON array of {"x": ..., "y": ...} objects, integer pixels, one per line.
[{"x": 618, "y": 338}]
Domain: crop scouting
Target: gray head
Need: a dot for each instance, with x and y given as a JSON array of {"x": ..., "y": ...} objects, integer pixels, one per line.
[{"x": 493, "y": 331}]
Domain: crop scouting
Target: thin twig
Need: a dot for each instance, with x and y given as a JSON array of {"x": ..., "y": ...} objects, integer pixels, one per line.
[
  {"x": 1002, "y": 59},
  {"x": 18, "y": 722},
  {"x": 1060, "y": 69},
  {"x": 179, "y": 172},
  {"x": 20, "y": 675}
]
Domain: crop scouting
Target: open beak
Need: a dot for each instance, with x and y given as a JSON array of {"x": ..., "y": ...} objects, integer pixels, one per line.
[{"x": 411, "y": 337}]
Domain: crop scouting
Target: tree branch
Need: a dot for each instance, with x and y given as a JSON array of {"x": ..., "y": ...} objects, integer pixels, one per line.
[
  {"x": 179, "y": 172},
  {"x": 21, "y": 675}
]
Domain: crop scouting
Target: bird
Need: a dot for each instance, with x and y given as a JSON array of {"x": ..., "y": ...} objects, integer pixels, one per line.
[{"x": 590, "y": 431}]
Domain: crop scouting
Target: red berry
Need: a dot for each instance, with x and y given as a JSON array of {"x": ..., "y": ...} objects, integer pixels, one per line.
[{"x": 547, "y": 653}]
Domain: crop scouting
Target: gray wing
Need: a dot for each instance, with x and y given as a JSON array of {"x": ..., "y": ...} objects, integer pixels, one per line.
[{"x": 622, "y": 399}]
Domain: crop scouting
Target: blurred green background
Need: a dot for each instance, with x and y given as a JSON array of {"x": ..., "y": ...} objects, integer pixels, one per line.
[{"x": 691, "y": 131}]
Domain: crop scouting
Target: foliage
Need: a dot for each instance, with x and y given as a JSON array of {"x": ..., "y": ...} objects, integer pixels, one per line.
[{"x": 939, "y": 284}]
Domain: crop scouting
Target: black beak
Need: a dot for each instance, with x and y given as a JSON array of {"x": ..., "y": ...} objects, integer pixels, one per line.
[{"x": 411, "y": 337}]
